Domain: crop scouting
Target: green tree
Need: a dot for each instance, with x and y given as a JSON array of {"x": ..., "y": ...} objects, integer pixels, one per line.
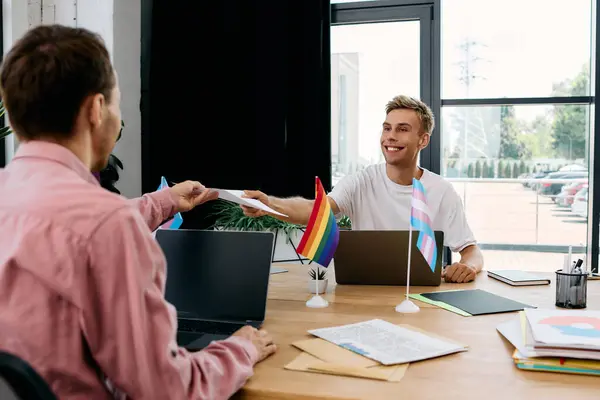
[
  {"x": 485, "y": 170},
  {"x": 507, "y": 171},
  {"x": 515, "y": 170},
  {"x": 478, "y": 169},
  {"x": 570, "y": 126},
  {"x": 511, "y": 147},
  {"x": 522, "y": 167},
  {"x": 470, "y": 170},
  {"x": 537, "y": 136},
  {"x": 500, "y": 169}
]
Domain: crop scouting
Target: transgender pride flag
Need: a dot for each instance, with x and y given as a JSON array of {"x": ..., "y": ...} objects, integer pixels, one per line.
[
  {"x": 420, "y": 220},
  {"x": 174, "y": 222}
]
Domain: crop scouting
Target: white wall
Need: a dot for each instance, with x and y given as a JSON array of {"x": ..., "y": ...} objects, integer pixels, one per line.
[
  {"x": 15, "y": 22},
  {"x": 127, "y": 52},
  {"x": 109, "y": 18}
]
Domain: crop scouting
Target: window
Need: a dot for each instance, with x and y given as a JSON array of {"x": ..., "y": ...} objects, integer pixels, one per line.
[
  {"x": 365, "y": 75},
  {"x": 515, "y": 48},
  {"x": 517, "y": 87}
]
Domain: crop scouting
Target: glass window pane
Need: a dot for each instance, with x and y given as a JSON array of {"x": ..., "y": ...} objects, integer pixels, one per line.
[
  {"x": 515, "y": 48},
  {"x": 365, "y": 75},
  {"x": 485, "y": 146}
]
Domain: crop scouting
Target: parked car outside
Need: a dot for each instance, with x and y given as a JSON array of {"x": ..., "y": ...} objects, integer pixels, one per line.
[
  {"x": 567, "y": 194},
  {"x": 580, "y": 203},
  {"x": 573, "y": 167},
  {"x": 535, "y": 175},
  {"x": 551, "y": 188}
]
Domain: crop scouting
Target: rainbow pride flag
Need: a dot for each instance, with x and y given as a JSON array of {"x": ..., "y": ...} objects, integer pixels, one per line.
[
  {"x": 321, "y": 237},
  {"x": 420, "y": 220},
  {"x": 177, "y": 220}
]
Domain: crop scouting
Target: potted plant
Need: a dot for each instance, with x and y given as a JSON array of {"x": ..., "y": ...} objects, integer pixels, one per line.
[
  {"x": 229, "y": 216},
  {"x": 5, "y": 130},
  {"x": 109, "y": 176},
  {"x": 321, "y": 285},
  {"x": 345, "y": 223}
]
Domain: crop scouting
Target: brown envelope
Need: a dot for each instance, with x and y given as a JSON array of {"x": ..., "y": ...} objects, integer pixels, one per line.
[
  {"x": 308, "y": 363},
  {"x": 332, "y": 353}
]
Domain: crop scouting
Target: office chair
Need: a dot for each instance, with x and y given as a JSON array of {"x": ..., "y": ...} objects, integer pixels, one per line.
[{"x": 19, "y": 381}]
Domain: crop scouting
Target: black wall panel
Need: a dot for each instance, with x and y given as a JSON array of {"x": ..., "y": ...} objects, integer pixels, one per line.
[{"x": 236, "y": 94}]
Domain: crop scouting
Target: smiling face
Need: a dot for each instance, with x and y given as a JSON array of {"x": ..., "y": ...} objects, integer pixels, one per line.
[{"x": 403, "y": 137}]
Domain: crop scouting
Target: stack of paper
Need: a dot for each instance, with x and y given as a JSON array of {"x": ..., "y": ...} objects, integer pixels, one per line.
[
  {"x": 373, "y": 349},
  {"x": 555, "y": 340}
]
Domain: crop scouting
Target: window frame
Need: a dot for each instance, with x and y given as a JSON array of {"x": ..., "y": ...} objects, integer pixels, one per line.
[
  {"x": 428, "y": 13},
  {"x": 593, "y": 226}
]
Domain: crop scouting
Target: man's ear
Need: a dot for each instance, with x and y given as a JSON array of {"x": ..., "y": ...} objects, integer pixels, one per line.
[
  {"x": 95, "y": 105},
  {"x": 424, "y": 140}
]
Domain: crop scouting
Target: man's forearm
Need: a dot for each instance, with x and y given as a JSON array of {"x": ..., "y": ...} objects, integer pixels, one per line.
[
  {"x": 297, "y": 209},
  {"x": 472, "y": 257}
]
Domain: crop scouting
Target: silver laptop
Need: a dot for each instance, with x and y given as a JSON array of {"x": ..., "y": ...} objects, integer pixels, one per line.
[{"x": 380, "y": 258}]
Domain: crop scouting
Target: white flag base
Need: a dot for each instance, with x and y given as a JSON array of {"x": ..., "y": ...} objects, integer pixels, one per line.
[
  {"x": 317, "y": 302},
  {"x": 407, "y": 307}
]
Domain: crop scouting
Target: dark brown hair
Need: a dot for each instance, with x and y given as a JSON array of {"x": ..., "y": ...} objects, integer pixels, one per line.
[{"x": 46, "y": 76}]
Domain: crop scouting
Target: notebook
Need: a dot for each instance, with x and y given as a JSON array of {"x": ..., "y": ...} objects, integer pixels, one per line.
[
  {"x": 477, "y": 301},
  {"x": 518, "y": 278}
]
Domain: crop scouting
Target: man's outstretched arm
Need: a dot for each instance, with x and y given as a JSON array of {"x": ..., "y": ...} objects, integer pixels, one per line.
[{"x": 297, "y": 209}]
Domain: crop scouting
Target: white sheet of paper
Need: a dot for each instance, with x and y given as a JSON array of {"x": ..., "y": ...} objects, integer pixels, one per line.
[
  {"x": 387, "y": 343},
  {"x": 236, "y": 197}
]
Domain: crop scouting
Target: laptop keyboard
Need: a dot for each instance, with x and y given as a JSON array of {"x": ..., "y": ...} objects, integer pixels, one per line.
[{"x": 221, "y": 328}]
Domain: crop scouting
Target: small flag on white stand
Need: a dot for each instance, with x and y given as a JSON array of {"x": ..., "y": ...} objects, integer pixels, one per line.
[
  {"x": 420, "y": 220},
  {"x": 317, "y": 301},
  {"x": 320, "y": 239}
]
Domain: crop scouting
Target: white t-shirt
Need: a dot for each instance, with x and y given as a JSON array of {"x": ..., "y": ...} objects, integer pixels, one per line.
[{"x": 373, "y": 201}]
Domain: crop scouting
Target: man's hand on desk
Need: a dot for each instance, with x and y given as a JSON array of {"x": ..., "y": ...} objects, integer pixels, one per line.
[
  {"x": 260, "y": 339},
  {"x": 190, "y": 194},
  {"x": 459, "y": 273}
]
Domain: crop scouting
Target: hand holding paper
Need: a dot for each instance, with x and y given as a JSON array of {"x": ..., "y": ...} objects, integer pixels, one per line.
[
  {"x": 190, "y": 194},
  {"x": 237, "y": 196}
]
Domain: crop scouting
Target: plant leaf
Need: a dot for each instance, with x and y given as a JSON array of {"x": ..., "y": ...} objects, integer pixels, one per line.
[{"x": 5, "y": 131}]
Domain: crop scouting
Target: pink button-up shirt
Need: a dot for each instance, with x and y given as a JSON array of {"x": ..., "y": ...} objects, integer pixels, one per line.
[{"x": 82, "y": 288}]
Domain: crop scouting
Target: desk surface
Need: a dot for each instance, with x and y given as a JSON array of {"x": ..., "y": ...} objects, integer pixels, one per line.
[{"x": 485, "y": 371}]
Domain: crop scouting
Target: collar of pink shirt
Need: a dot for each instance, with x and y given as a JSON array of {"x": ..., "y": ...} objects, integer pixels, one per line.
[{"x": 57, "y": 153}]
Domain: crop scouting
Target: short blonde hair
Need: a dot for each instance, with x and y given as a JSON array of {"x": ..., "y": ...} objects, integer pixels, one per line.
[{"x": 403, "y": 102}]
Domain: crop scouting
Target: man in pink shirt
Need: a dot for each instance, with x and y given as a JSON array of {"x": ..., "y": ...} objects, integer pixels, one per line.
[{"x": 81, "y": 278}]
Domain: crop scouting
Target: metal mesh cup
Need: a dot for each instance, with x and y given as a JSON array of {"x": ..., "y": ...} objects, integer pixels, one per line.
[{"x": 571, "y": 289}]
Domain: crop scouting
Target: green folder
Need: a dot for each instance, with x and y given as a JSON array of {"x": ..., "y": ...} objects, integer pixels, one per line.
[{"x": 439, "y": 304}]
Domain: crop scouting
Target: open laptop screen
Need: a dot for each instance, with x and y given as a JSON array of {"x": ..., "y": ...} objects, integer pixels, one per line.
[{"x": 217, "y": 275}]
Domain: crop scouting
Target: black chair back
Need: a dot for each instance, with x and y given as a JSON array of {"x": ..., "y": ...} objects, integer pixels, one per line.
[{"x": 18, "y": 378}]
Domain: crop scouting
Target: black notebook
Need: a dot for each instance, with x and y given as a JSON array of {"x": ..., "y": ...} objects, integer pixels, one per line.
[{"x": 477, "y": 302}]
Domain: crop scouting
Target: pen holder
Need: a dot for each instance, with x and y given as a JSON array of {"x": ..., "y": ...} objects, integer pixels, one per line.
[{"x": 571, "y": 289}]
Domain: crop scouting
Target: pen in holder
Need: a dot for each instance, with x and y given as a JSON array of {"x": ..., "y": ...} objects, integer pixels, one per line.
[{"x": 571, "y": 289}]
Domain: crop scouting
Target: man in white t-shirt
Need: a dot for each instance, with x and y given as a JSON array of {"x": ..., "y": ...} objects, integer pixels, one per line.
[{"x": 379, "y": 196}]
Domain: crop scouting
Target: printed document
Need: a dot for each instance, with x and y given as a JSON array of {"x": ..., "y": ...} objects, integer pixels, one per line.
[
  {"x": 387, "y": 343},
  {"x": 236, "y": 197}
]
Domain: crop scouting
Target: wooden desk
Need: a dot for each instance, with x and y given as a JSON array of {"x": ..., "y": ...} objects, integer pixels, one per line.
[{"x": 486, "y": 371}]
